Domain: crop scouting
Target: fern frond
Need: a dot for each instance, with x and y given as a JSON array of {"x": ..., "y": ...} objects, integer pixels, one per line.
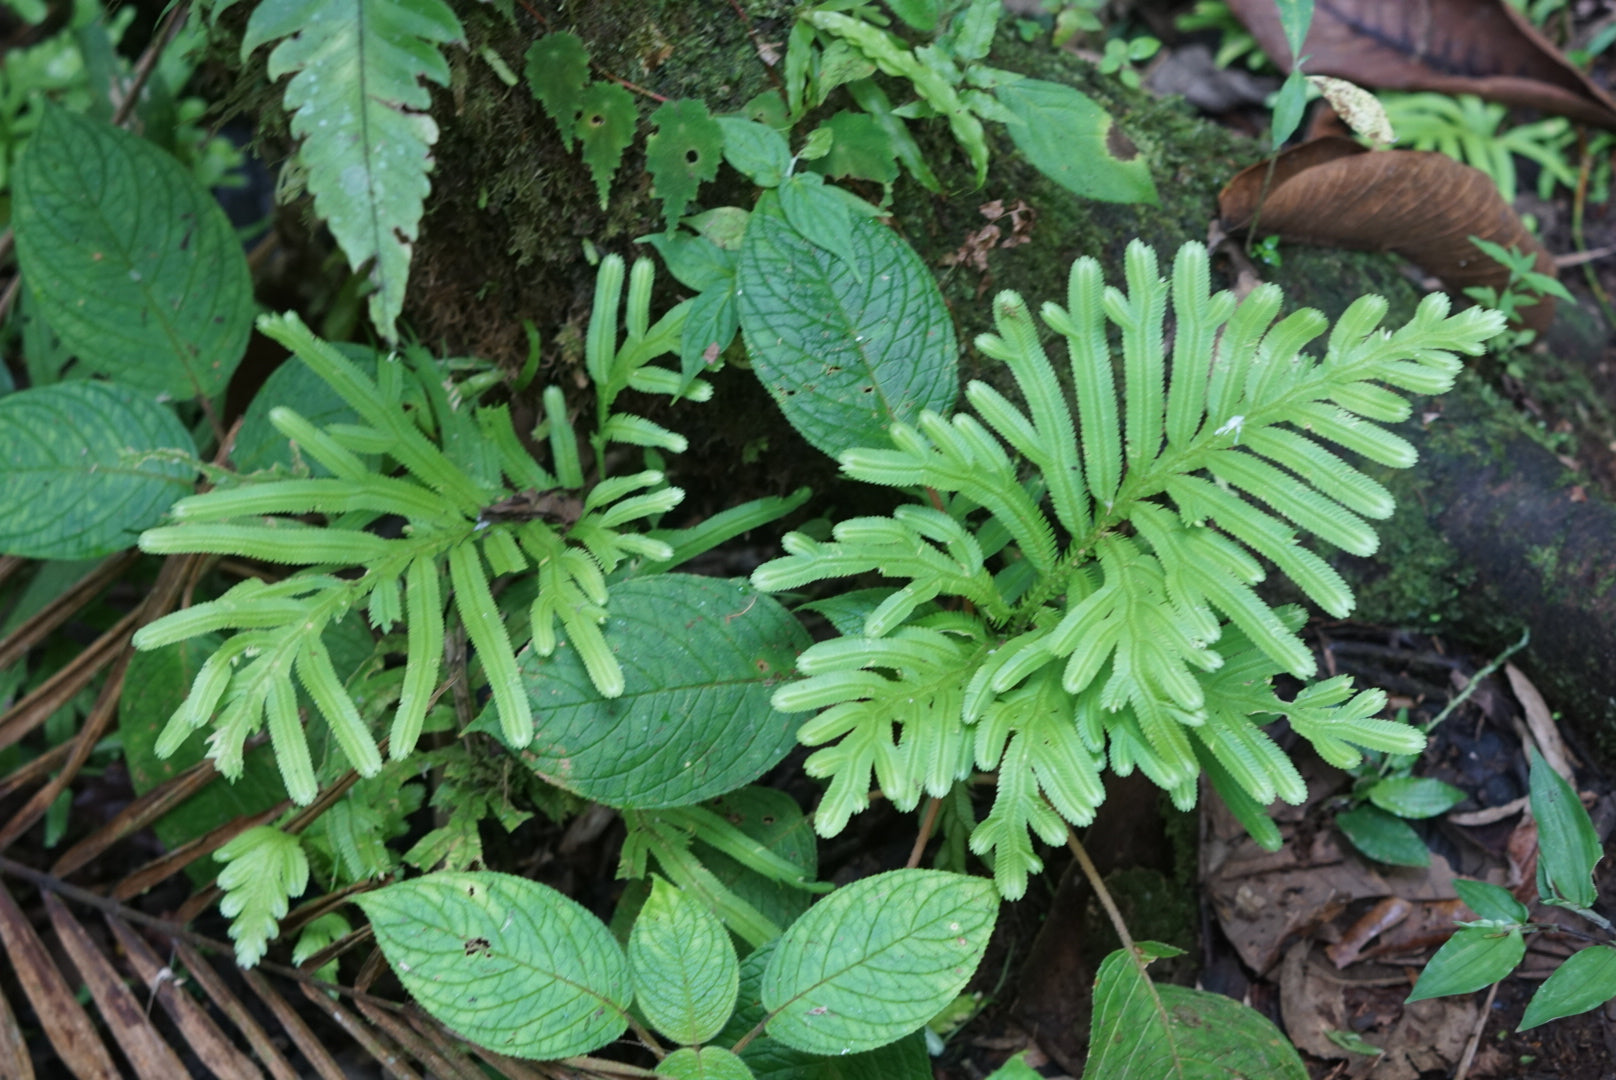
[
  {"x": 1163, "y": 660},
  {"x": 265, "y": 868},
  {"x": 359, "y": 107}
]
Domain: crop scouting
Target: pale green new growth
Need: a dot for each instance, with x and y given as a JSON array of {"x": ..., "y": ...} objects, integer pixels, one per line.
[
  {"x": 1104, "y": 607},
  {"x": 266, "y": 868},
  {"x": 485, "y": 509}
]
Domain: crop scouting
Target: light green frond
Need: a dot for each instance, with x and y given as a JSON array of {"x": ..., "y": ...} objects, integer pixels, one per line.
[
  {"x": 1141, "y": 314},
  {"x": 286, "y": 736},
  {"x": 1372, "y": 402},
  {"x": 338, "y": 459},
  {"x": 600, "y": 341},
  {"x": 423, "y": 656},
  {"x": 320, "y": 679},
  {"x": 1267, "y": 536},
  {"x": 1054, "y": 449},
  {"x": 1093, "y": 383},
  {"x": 1360, "y": 436},
  {"x": 486, "y": 629},
  {"x": 1199, "y": 316},
  {"x": 1278, "y": 363},
  {"x": 1237, "y": 351},
  {"x": 1323, "y": 469},
  {"x": 1328, "y": 520}
]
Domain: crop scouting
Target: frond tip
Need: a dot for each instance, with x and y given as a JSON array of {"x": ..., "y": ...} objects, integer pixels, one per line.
[{"x": 1083, "y": 589}]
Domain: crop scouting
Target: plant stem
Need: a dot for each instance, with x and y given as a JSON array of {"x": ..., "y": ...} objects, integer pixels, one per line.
[
  {"x": 927, "y": 823},
  {"x": 1475, "y": 680}
]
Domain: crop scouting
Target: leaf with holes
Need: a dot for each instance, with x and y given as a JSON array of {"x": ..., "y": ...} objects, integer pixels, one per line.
[
  {"x": 606, "y": 119},
  {"x": 131, "y": 261},
  {"x": 508, "y": 963},
  {"x": 88, "y": 466},
  {"x": 557, "y": 71},
  {"x": 359, "y": 107},
  {"x": 876, "y": 959},
  {"x": 1075, "y": 143},
  {"x": 682, "y": 154},
  {"x": 845, "y": 348},
  {"x": 683, "y": 965},
  {"x": 701, "y": 657}
]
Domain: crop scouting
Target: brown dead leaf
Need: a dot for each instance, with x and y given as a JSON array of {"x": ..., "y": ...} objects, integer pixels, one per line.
[
  {"x": 1420, "y": 204},
  {"x": 1481, "y": 47},
  {"x": 1383, "y": 916},
  {"x": 1541, "y": 722}
]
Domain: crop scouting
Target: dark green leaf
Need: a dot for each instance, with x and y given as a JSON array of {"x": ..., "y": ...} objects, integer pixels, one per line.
[
  {"x": 1076, "y": 143},
  {"x": 760, "y": 152},
  {"x": 1178, "y": 1033},
  {"x": 1383, "y": 838},
  {"x": 508, "y": 963},
  {"x": 682, "y": 154},
  {"x": 1295, "y": 16},
  {"x": 845, "y": 354},
  {"x": 1490, "y": 901},
  {"x": 922, "y": 15},
  {"x": 694, "y": 720},
  {"x": 905, "y": 1059},
  {"x": 876, "y": 959},
  {"x": 1474, "y": 957},
  {"x": 707, "y": 1063},
  {"x": 683, "y": 965},
  {"x": 817, "y": 214},
  {"x": 873, "y": 100},
  {"x": 606, "y": 119},
  {"x": 132, "y": 263},
  {"x": 295, "y": 386},
  {"x": 1567, "y": 845},
  {"x": 695, "y": 261},
  {"x": 155, "y": 684},
  {"x": 710, "y": 325},
  {"x": 773, "y": 819},
  {"x": 1288, "y": 108},
  {"x": 860, "y": 148},
  {"x": 1585, "y": 981},
  {"x": 1415, "y": 797},
  {"x": 557, "y": 71},
  {"x": 88, "y": 465}
]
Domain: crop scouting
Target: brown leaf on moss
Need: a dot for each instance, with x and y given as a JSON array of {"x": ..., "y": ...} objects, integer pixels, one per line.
[
  {"x": 1481, "y": 47},
  {"x": 1422, "y": 205}
]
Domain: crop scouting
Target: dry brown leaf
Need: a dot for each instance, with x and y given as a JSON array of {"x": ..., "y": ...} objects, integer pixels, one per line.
[
  {"x": 68, "y": 1027},
  {"x": 14, "y": 1058},
  {"x": 1541, "y": 723},
  {"x": 1378, "y": 919},
  {"x": 1420, "y": 204},
  {"x": 125, "y": 1016},
  {"x": 202, "y": 1036},
  {"x": 1481, "y": 47}
]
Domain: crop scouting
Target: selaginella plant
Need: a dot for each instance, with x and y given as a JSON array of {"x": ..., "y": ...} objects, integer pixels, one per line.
[{"x": 1077, "y": 588}]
